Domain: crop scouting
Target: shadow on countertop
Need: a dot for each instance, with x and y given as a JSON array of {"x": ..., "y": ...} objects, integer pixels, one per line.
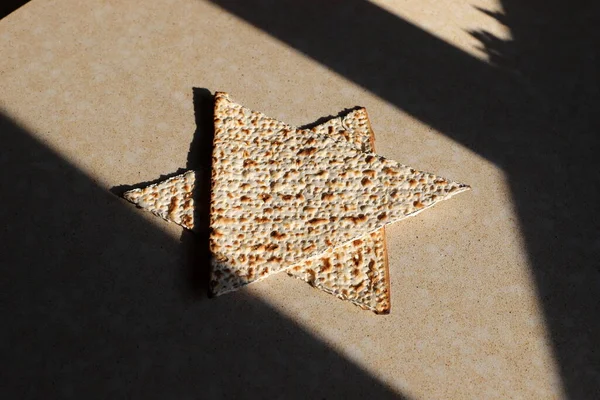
[
  {"x": 534, "y": 113},
  {"x": 8, "y": 6},
  {"x": 196, "y": 244},
  {"x": 94, "y": 304}
]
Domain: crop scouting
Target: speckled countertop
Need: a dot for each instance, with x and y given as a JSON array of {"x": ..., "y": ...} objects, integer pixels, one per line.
[{"x": 96, "y": 94}]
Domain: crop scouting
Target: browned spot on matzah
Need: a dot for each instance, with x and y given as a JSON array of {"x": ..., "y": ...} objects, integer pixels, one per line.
[
  {"x": 272, "y": 247},
  {"x": 216, "y": 232},
  {"x": 358, "y": 259},
  {"x": 318, "y": 221},
  {"x": 357, "y": 219},
  {"x": 389, "y": 171},
  {"x": 308, "y": 248},
  {"x": 278, "y": 236},
  {"x": 327, "y": 196},
  {"x": 187, "y": 221},
  {"x": 327, "y": 267},
  {"x": 265, "y": 197},
  {"x": 173, "y": 204}
]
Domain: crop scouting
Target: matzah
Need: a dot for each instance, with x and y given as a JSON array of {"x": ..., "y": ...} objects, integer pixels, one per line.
[
  {"x": 171, "y": 199},
  {"x": 281, "y": 196},
  {"x": 356, "y": 272}
]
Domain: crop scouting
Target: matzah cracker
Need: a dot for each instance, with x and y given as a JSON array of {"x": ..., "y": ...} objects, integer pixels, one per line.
[
  {"x": 171, "y": 199},
  {"x": 356, "y": 272},
  {"x": 281, "y": 196}
]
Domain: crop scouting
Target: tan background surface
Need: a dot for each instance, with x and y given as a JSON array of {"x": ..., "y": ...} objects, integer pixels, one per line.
[{"x": 493, "y": 292}]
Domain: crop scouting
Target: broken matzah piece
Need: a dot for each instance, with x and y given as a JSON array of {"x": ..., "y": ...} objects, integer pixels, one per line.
[{"x": 170, "y": 199}]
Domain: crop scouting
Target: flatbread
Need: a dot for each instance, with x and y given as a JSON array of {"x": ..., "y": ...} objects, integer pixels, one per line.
[
  {"x": 281, "y": 196},
  {"x": 356, "y": 272},
  {"x": 172, "y": 199}
]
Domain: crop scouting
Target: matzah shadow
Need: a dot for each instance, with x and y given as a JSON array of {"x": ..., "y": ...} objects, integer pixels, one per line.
[
  {"x": 92, "y": 306},
  {"x": 197, "y": 256},
  {"x": 196, "y": 244},
  {"x": 322, "y": 120}
]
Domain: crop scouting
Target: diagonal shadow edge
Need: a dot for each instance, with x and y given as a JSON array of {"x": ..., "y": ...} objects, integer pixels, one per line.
[
  {"x": 496, "y": 114},
  {"x": 93, "y": 306},
  {"x": 9, "y": 6}
]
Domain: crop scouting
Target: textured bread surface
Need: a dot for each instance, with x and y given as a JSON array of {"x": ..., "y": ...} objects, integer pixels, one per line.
[
  {"x": 356, "y": 272},
  {"x": 281, "y": 196},
  {"x": 170, "y": 199}
]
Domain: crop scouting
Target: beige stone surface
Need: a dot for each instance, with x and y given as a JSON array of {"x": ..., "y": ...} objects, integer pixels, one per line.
[{"x": 107, "y": 87}]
